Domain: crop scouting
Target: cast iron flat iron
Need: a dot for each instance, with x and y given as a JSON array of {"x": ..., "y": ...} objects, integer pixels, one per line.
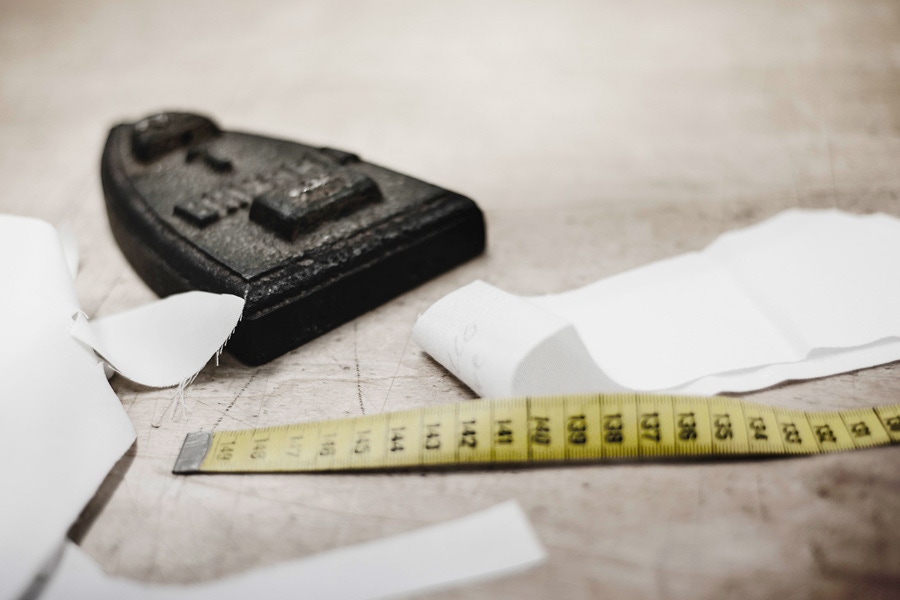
[{"x": 310, "y": 237}]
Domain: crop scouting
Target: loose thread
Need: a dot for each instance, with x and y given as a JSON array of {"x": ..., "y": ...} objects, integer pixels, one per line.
[
  {"x": 222, "y": 347},
  {"x": 178, "y": 398}
]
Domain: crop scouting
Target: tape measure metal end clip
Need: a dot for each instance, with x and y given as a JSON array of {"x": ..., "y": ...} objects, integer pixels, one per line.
[{"x": 193, "y": 451}]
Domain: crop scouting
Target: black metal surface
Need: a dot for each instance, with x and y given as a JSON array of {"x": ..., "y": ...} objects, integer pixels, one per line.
[{"x": 310, "y": 237}]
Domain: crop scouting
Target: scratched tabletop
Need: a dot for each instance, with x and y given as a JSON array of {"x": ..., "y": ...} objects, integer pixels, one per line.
[{"x": 597, "y": 137}]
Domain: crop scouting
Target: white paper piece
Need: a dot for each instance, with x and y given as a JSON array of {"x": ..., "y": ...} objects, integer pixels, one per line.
[
  {"x": 490, "y": 543},
  {"x": 61, "y": 427},
  {"x": 804, "y": 294}
]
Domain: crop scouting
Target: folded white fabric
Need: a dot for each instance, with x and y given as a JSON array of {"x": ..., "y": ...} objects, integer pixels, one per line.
[
  {"x": 62, "y": 427},
  {"x": 804, "y": 294}
]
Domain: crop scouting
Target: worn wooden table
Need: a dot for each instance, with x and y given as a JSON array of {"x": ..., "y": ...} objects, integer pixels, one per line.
[{"x": 597, "y": 137}]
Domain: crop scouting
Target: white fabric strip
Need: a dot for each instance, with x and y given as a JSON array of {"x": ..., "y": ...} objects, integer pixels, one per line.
[
  {"x": 489, "y": 543},
  {"x": 804, "y": 294},
  {"x": 165, "y": 342},
  {"x": 62, "y": 427}
]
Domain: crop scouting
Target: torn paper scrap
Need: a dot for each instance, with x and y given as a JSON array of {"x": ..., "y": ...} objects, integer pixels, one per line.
[
  {"x": 62, "y": 427},
  {"x": 803, "y": 294},
  {"x": 490, "y": 543}
]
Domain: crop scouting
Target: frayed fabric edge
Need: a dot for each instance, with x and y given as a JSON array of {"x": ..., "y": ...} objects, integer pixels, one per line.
[{"x": 178, "y": 398}]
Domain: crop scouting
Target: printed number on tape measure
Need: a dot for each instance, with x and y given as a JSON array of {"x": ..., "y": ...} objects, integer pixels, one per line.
[{"x": 539, "y": 430}]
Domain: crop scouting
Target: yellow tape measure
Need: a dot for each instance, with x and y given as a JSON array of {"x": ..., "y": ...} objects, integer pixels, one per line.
[{"x": 551, "y": 429}]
